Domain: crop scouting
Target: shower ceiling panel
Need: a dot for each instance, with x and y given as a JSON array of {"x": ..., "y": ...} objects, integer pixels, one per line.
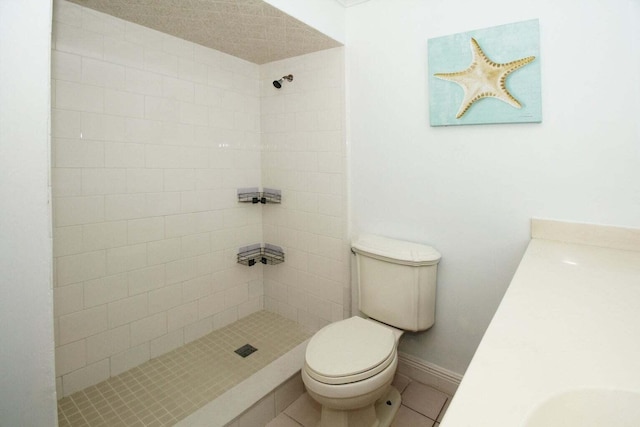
[{"x": 248, "y": 29}]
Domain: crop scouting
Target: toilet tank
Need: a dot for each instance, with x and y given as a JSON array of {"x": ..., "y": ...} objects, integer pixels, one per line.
[{"x": 396, "y": 281}]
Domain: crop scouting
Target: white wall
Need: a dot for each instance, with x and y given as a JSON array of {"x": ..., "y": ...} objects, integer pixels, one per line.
[
  {"x": 27, "y": 387},
  {"x": 470, "y": 191}
]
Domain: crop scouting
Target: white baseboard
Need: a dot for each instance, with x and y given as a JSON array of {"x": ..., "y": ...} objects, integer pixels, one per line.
[{"x": 427, "y": 373}]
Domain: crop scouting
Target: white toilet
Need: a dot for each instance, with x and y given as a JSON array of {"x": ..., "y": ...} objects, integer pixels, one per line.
[{"x": 350, "y": 364}]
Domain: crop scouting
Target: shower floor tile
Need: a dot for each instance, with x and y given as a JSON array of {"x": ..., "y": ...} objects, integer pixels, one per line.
[{"x": 168, "y": 388}]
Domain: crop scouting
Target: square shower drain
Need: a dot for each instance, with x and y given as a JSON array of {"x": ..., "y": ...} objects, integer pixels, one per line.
[{"x": 246, "y": 350}]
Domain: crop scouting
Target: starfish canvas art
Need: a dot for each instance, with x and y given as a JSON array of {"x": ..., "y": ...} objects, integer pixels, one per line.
[{"x": 482, "y": 84}]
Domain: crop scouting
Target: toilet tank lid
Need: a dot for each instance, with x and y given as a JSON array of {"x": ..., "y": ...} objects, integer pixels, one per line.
[{"x": 395, "y": 250}]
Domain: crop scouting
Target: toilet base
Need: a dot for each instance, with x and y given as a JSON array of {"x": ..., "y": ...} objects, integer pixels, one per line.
[
  {"x": 386, "y": 413},
  {"x": 380, "y": 414}
]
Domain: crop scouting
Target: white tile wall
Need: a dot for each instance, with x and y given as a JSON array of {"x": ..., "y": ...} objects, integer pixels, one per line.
[
  {"x": 150, "y": 137},
  {"x": 304, "y": 156}
]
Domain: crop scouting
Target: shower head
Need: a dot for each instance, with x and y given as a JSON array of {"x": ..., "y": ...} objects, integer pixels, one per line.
[{"x": 278, "y": 83}]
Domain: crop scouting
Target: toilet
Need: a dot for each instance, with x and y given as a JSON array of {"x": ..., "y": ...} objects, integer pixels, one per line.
[{"x": 349, "y": 365}]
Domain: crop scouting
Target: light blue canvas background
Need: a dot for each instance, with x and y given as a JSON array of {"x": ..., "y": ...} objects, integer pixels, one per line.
[{"x": 501, "y": 44}]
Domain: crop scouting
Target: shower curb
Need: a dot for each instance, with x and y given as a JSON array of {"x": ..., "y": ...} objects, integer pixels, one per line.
[{"x": 234, "y": 402}]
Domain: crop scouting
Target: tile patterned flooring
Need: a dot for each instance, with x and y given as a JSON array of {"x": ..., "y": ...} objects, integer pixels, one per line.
[
  {"x": 422, "y": 406},
  {"x": 168, "y": 388}
]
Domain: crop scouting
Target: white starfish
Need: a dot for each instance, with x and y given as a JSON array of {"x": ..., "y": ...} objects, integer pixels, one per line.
[{"x": 484, "y": 78}]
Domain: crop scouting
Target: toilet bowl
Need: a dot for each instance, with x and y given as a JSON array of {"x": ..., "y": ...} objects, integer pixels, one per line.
[{"x": 349, "y": 367}]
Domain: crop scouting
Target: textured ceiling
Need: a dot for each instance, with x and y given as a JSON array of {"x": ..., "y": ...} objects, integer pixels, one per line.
[{"x": 248, "y": 29}]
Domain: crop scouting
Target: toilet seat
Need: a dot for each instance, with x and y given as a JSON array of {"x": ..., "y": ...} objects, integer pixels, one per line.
[{"x": 350, "y": 350}]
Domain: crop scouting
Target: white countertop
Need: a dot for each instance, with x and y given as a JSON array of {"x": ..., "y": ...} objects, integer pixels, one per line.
[{"x": 569, "y": 320}]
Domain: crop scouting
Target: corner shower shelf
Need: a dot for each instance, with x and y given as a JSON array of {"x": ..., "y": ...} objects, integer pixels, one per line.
[
  {"x": 252, "y": 195},
  {"x": 266, "y": 254}
]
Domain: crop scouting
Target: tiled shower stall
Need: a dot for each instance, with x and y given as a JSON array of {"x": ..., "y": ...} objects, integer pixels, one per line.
[{"x": 151, "y": 138}]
